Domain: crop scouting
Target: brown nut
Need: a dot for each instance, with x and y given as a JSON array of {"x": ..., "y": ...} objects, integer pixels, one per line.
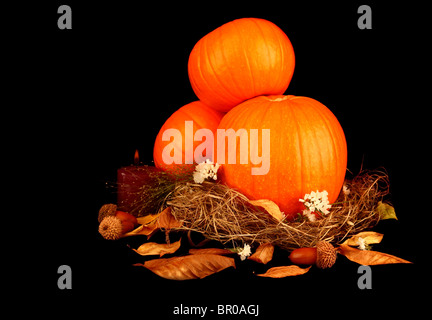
[
  {"x": 107, "y": 210},
  {"x": 326, "y": 255},
  {"x": 111, "y": 228},
  {"x": 303, "y": 256},
  {"x": 125, "y": 216}
]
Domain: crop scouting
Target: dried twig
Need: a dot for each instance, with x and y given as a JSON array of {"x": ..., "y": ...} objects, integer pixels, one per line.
[{"x": 223, "y": 214}]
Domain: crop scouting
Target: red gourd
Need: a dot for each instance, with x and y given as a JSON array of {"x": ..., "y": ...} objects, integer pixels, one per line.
[
  {"x": 240, "y": 60},
  {"x": 308, "y": 150},
  {"x": 202, "y": 117}
]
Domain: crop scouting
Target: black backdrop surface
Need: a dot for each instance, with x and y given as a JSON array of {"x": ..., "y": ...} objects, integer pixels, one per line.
[{"x": 97, "y": 92}]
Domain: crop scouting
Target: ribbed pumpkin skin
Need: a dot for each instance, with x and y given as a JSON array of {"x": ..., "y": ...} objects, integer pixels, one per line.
[
  {"x": 240, "y": 60},
  {"x": 308, "y": 150},
  {"x": 203, "y": 117}
]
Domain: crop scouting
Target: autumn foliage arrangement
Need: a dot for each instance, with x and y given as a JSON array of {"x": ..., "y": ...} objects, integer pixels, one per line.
[{"x": 303, "y": 204}]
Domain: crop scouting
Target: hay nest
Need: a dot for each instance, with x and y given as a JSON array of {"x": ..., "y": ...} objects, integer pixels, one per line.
[{"x": 224, "y": 214}]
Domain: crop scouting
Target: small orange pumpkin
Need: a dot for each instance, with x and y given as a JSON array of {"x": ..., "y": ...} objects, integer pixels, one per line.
[
  {"x": 308, "y": 150},
  {"x": 175, "y": 144},
  {"x": 240, "y": 60}
]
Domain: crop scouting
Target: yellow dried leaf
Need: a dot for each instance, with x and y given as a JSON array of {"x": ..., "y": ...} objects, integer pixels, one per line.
[
  {"x": 369, "y": 258},
  {"x": 369, "y": 237},
  {"x": 269, "y": 206},
  {"x": 153, "y": 248},
  {"x": 146, "y": 230},
  {"x": 285, "y": 271},
  {"x": 167, "y": 221},
  {"x": 211, "y": 251},
  {"x": 263, "y": 254},
  {"x": 386, "y": 211},
  {"x": 148, "y": 219},
  {"x": 189, "y": 267}
]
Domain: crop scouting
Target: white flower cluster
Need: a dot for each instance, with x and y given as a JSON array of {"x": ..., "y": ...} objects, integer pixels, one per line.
[
  {"x": 310, "y": 215},
  {"x": 205, "y": 170},
  {"x": 346, "y": 190},
  {"x": 315, "y": 202},
  {"x": 361, "y": 243},
  {"x": 244, "y": 252}
]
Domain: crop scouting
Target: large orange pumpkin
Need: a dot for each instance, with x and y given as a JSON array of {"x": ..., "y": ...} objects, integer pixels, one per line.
[
  {"x": 308, "y": 150},
  {"x": 178, "y": 141},
  {"x": 240, "y": 60}
]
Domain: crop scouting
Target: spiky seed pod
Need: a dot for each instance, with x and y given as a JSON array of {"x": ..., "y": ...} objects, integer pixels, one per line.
[
  {"x": 111, "y": 228},
  {"x": 106, "y": 210},
  {"x": 326, "y": 255}
]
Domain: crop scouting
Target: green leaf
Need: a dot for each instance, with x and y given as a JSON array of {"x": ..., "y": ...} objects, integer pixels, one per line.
[{"x": 386, "y": 211}]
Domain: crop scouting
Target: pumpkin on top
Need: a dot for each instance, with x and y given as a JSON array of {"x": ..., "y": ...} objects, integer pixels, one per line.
[{"x": 240, "y": 60}]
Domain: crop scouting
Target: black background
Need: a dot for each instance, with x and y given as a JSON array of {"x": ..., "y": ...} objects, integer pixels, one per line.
[{"x": 86, "y": 98}]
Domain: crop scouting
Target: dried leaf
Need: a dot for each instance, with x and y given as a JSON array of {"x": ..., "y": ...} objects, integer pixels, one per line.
[
  {"x": 167, "y": 221},
  {"x": 386, "y": 211},
  {"x": 189, "y": 267},
  {"x": 369, "y": 258},
  {"x": 263, "y": 254},
  {"x": 151, "y": 223},
  {"x": 153, "y": 248},
  {"x": 148, "y": 219},
  {"x": 269, "y": 206},
  {"x": 285, "y": 271},
  {"x": 211, "y": 251},
  {"x": 369, "y": 237},
  {"x": 148, "y": 231}
]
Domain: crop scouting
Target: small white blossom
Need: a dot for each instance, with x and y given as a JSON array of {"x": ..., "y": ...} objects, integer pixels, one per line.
[
  {"x": 361, "y": 243},
  {"x": 308, "y": 214},
  {"x": 198, "y": 177},
  {"x": 316, "y": 202},
  {"x": 244, "y": 252},
  {"x": 205, "y": 170},
  {"x": 346, "y": 191}
]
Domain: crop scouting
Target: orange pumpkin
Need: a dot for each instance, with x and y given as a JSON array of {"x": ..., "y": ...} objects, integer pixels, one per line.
[
  {"x": 175, "y": 143},
  {"x": 240, "y": 60},
  {"x": 308, "y": 150}
]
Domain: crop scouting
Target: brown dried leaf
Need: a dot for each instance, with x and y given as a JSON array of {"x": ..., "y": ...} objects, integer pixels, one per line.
[
  {"x": 369, "y": 258},
  {"x": 211, "y": 251},
  {"x": 386, "y": 211},
  {"x": 148, "y": 219},
  {"x": 153, "y": 248},
  {"x": 285, "y": 271},
  {"x": 167, "y": 221},
  {"x": 146, "y": 230},
  {"x": 369, "y": 237},
  {"x": 189, "y": 267},
  {"x": 269, "y": 206},
  {"x": 263, "y": 254}
]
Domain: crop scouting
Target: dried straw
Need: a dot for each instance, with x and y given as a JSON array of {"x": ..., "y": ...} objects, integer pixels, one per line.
[{"x": 223, "y": 214}]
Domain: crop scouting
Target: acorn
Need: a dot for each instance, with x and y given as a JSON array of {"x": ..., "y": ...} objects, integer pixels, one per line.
[
  {"x": 110, "y": 209},
  {"x": 326, "y": 255},
  {"x": 126, "y": 217},
  {"x": 323, "y": 255},
  {"x": 111, "y": 228},
  {"x": 116, "y": 223},
  {"x": 107, "y": 210}
]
